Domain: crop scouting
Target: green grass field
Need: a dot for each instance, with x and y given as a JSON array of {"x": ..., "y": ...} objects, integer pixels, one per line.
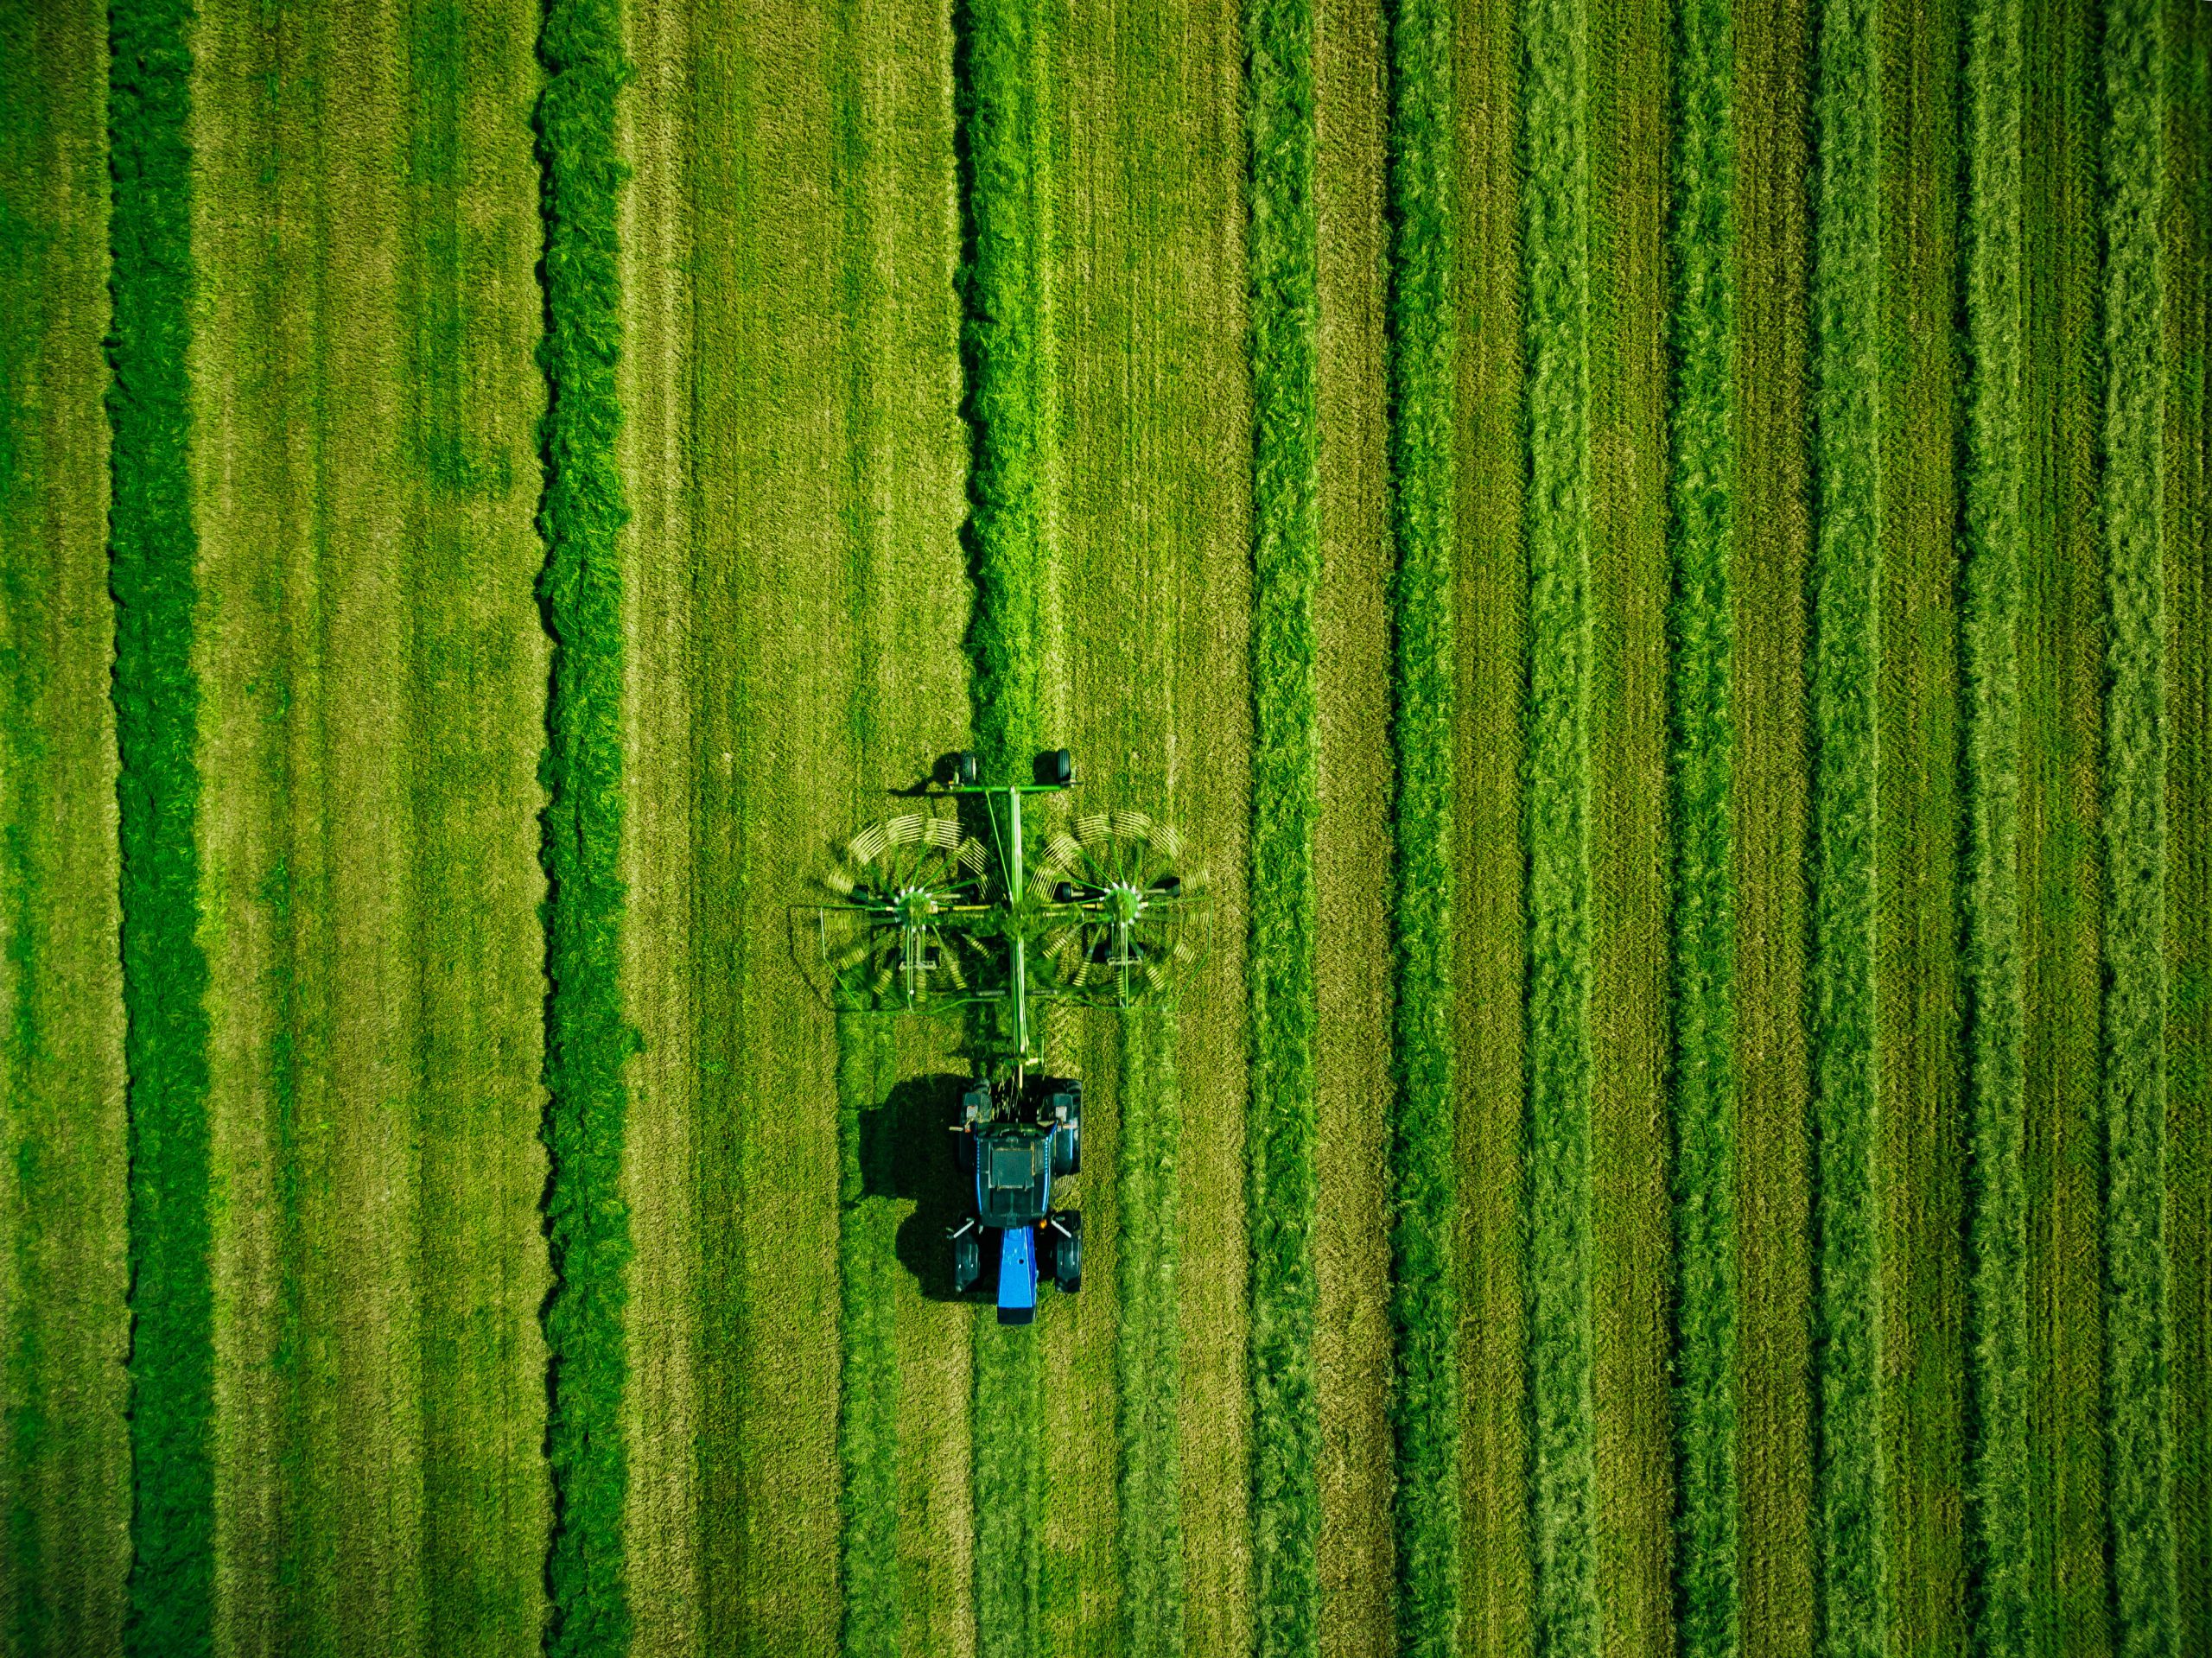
[{"x": 1658, "y": 558}]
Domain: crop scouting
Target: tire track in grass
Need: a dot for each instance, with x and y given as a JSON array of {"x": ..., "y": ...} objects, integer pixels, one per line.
[
  {"x": 1285, "y": 550},
  {"x": 1352, "y": 1085},
  {"x": 1848, "y": 1491},
  {"x": 1773, "y": 538},
  {"x": 1003, "y": 139},
  {"x": 2062, "y": 676},
  {"x": 2138, "y": 1402},
  {"x": 1492, "y": 594},
  {"x": 1631, "y": 1220},
  {"x": 64, "y": 1445},
  {"x": 1423, "y": 1163},
  {"x": 1702, "y": 424},
  {"x": 2189, "y": 795},
  {"x": 152, "y": 547},
  {"x": 589, "y": 1037},
  {"x": 1555, "y": 205},
  {"x": 1999, "y": 1562}
]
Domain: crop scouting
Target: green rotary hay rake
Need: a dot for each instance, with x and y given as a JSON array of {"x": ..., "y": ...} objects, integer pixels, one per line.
[{"x": 943, "y": 910}]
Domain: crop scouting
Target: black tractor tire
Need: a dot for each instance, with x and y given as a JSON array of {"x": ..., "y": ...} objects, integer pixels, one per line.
[
  {"x": 963, "y": 1152},
  {"x": 966, "y": 769},
  {"x": 1066, "y": 1104},
  {"x": 967, "y": 1260},
  {"x": 1055, "y": 768},
  {"x": 1067, "y": 1252}
]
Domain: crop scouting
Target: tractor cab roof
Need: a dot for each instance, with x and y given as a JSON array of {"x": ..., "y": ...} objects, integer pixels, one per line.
[{"x": 1015, "y": 1171}]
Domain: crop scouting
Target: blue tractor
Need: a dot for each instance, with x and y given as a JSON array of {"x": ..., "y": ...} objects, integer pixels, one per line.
[
  {"x": 1014, "y": 1156},
  {"x": 942, "y": 910}
]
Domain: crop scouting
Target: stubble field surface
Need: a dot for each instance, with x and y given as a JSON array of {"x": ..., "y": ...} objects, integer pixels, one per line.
[{"x": 277, "y": 1309}]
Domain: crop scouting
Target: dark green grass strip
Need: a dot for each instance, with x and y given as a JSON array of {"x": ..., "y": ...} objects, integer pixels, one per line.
[
  {"x": 1285, "y": 565},
  {"x": 1005, "y": 185},
  {"x": 588, "y": 1038},
  {"x": 1147, "y": 1362},
  {"x": 1555, "y": 213},
  {"x": 153, "y": 548},
  {"x": 1847, "y": 1474},
  {"x": 2139, "y": 1430},
  {"x": 868, "y": 1400},
  {"x": 1424, "y": 1299},
  {"x": 2189, "y": 795},
  {"x": 1998, "y": 1379},
  {"x": 1702, "y": 429}
]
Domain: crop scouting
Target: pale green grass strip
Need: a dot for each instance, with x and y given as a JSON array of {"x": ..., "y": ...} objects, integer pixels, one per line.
[
  {"x": 1423, "y": 1140},
  {"x": 867, "y": 1395},
  {"x": 1999, "y": 1386},
  {"x": 1701, "y": 420},
  {"x": 2144, "y": 1589},
  {"x": 153, "y": 548},
  {"x": 1555, "y": 218},
  {"x": 1851, "y": 1617},
  {"x": 1148, "y": 1357},
  {"x": 588, "y": 1038},
  {"x": 1286, "y": 739}
]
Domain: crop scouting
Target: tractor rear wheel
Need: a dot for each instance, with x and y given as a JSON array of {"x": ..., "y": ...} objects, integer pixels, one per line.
[
  {"x": 967, "y": 1261},
  {"x": 1067, "y": 1252}
]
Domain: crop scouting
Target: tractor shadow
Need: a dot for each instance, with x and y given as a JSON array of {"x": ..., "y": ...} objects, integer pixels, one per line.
[{"x": 906, "y": 1152}]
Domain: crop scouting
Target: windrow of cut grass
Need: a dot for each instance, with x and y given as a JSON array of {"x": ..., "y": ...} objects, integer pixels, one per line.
[
  {"x": 1147, "y": 1362},
  {"x": 1997, "y": 1492},
  {"x": 1286, "y": 739},
  {"x": 1702, "y": 429},
  {"x": 1002, "y": 150},
  {"x": 152, "y": 552},
  {"x": 1424, "y": 1151},
  {"x": 1555, "y": 197},
  {"x": 2141, "y": 1447},
  {"x": 1849, "y": 1586},
  {"x": 1006, "y": 187},
  {"x": 588, "y": 1038}
]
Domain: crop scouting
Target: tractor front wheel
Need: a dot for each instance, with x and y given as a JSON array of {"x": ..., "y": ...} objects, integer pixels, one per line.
[{"x": 967, "y": 1261}]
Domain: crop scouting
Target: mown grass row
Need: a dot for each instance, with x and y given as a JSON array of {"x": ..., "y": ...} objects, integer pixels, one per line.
[
  {"x": 1148, "y": 1361},
  {"x": 152, "y": 549},
  {"x": 1006, "y": 186},
  {"x": 1702, "y": 429},
  {"x": 1555, "y": 213},
  {"x": 2144, "y": 1589},
  {"x": 1999, "y": 1385},
  {"x": 868, "y": 1395},
  {"x": 1849, "y": 1589},
  {"x": 587, "y": 1037},
  {"x": 1424, "y": 1149},
  {"x": 1005, "y": 181},
  {"x": 1285, "y": 751}
]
